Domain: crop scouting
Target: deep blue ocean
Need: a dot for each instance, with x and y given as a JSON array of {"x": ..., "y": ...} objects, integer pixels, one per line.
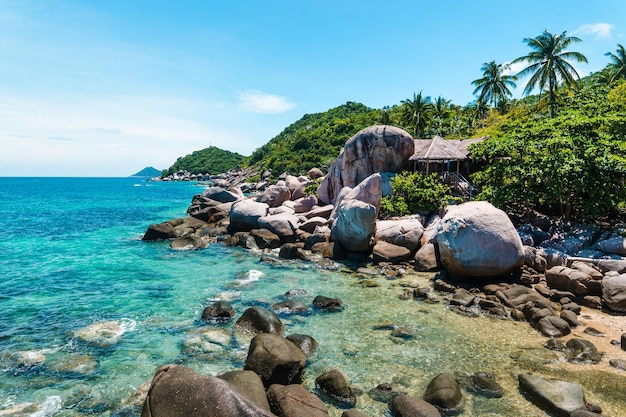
[{"x": 73, "y": 268}]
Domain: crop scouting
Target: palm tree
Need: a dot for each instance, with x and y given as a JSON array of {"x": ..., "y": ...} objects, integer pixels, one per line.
[
  {"x": 618, "y": 63},
  {"x": 494, "y": 84},
  {"x": 441, "y": 107},
  {"x": 440, "y": 111},
  {"x": 416, "y": 113},
  {"x": 548, "y": 64}
]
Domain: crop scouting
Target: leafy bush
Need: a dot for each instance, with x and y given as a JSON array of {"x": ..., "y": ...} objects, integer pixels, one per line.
[
  {"x": 415, "y": 192},
  {"x": 573, "y": 165},
  {"x": 311, "y": 189}
]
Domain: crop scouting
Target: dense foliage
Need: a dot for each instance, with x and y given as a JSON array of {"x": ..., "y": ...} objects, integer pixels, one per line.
[
  {"x": 573, "y": 164},
  {"x": 211, "y": 160},
  {"x": 415, "y": 193},
  {"x": 313, "y": 141}
]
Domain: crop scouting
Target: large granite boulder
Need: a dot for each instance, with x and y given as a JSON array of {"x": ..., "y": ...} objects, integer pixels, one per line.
[
  {"x": 355, "y": 225},
  {"x": 249, "y": 384},
  {"x": 561, "y": 398},
  {"x": 245, "y": 215},
  {"x": 296, "y": 187},
  {"x": 284, "y": 225},
  {"x": 275, "y": 195},
  {"x": 160, "y": 231},
  {"x": 179, "y": 391},
  {"x": 614, "y": 292},
  {"x": 221, "y": 195},
  {"x": 388, "y": 252},
  {"x": 404, "y": 232},
  {"x": 275, "y": 359},
  {"x": 305, "y": 204},
  {"x": 315, "y": 173},
  {"x": 374, "y": 149},
  {"x": 478, "y": 240},
  {"x": 265, "y": 238},
  {"x": 295, "y": 401},
  {"x": 426, "y": 258}
]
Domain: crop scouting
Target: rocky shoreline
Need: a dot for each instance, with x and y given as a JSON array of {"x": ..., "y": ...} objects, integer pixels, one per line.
[{"x": 558, "y": 277}]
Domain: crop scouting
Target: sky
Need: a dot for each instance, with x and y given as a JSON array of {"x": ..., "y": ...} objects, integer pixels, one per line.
[{"x": 104, "y": 88}]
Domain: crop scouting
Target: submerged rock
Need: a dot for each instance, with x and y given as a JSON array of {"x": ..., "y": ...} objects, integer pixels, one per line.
[
  {"x": 218, "y": 311},
  {"x": 327, "y": 303},
  {"x": 582, "y": 351},
  {"x": 189, "y": 242},
  {"x": 406, "y": 406},
  {"x": 485, "y": 384},
  {"x": 385, "y": 392},
  {"x": 104, "y": 333},
  {"x": 336, "y": 387},
  {"x": 444, "y": 392},
  {"x": 559, "y": 397}
]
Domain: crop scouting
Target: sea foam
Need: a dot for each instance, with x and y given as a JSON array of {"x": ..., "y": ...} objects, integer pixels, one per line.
[{"x": 49, "y": 407}]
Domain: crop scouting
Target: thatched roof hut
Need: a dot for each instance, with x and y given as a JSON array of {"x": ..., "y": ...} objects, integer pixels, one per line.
[{"x": 439, "y": 150}]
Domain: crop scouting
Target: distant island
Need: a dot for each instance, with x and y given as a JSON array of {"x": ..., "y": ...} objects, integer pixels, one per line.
[{"x": 148, "y": 172}]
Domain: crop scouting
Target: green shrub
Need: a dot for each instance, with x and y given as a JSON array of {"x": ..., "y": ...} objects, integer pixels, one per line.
[
  {"x": 311, "y": 189},
  {"x": 415, "y": 192}
]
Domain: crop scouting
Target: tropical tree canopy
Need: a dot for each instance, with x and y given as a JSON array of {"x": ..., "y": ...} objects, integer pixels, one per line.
[
  {"x": 416, "y": 113},
  {"x": 549, "y": 64},
  {"x": 573, "y": 164},
  {"x": 618, "y": 63},
  {"x": 494, "y": 84}
]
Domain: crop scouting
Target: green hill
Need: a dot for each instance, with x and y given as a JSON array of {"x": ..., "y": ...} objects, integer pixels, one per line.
[
  {"x": 148, "y": 172},
  {"x": 313, "y": 141},
  {"x": 211, "y": 160}
]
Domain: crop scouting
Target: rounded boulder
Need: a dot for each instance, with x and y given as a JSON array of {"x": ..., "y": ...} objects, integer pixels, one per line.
[{"x": 477, "y": 239}]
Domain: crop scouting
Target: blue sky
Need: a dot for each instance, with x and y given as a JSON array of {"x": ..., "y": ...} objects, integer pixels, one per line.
[{"x": 107, "y": 87}]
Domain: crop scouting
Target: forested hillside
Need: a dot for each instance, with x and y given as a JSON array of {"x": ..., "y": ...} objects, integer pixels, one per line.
[
  {"x": 211, "y": 160},
  {"x": 313, "y": 141}
]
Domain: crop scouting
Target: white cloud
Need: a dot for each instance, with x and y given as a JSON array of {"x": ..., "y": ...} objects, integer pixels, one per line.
[
  {"x": 600, "y": 30},
  {"x": 260, "y": 102}
]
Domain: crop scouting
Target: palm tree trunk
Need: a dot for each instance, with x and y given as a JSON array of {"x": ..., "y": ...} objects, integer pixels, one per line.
[{"x": 552, "y": 98}]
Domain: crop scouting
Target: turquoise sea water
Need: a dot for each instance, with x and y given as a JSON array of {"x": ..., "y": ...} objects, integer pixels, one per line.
[{"x": 71, "y": 257}]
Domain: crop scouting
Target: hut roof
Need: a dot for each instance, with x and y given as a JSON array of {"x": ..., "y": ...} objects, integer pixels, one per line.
[{"x": 438, "y": 149}]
